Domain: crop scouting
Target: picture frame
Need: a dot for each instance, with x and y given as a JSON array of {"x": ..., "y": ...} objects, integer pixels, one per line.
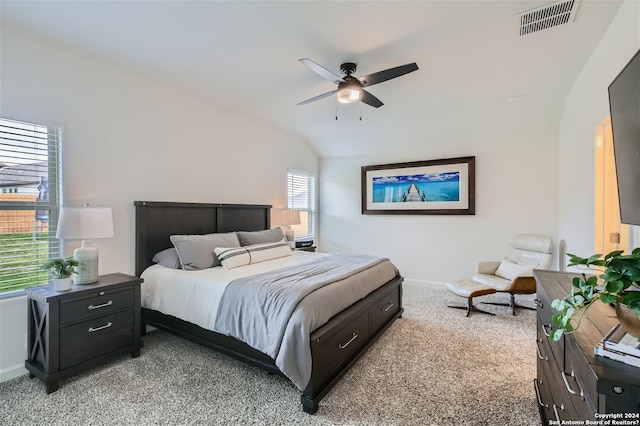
[{"x": 437, "y": 187}]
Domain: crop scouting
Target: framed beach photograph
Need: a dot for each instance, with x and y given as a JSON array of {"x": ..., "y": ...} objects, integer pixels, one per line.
[{"x": 445, "y": 186}]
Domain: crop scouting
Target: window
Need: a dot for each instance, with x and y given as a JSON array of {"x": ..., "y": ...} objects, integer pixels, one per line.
[
  {"x": 301, "y": 194},
  {"x": 30, "y": 178}
]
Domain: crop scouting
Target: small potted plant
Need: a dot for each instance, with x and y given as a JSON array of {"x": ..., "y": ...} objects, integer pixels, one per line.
[
  {"x": 60, "y": 270},
  {"x": 619, "y": 284}
]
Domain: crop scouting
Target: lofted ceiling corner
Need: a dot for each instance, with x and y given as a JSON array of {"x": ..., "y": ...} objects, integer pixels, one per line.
[{"x": 244, "y": 56}]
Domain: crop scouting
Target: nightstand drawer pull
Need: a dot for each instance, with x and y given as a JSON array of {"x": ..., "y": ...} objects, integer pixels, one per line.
[
  {"x": 389, "y": 306},
  {"x": 92, "y": 307},
  {"x": 107, "y": 325},
  {"x": 355, "y": 336}
]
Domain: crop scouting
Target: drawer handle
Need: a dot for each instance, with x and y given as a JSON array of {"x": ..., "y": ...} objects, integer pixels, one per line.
[
  {"x": 555, "y": 411},
  {"x": 544, "y": 329},
  {"x": 546, "y": 358},
  {"x": 354, "y": 337},
  {"x": 536, "y": 384},
  {"x": 566, "y": 385},
  {"x": 92, "y": 307},
  {"x": 107, "y": 325},
  {"x": 389, "y": 306}
]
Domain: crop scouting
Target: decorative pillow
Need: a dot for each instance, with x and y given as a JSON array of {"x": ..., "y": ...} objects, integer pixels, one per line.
[
  {"x": 232, "y": 257},
  {"x": 510, "y": 270},
  {"x": 196, "y": 251},
  {"x": 168, "y": 258},
  {"x": 249, "y": 238}
]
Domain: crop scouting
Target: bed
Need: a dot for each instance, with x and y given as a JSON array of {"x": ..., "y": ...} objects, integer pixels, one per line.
[{"x": 334, "y": 346}]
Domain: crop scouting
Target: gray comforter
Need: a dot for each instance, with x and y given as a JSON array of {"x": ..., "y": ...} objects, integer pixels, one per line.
[{"x": 275, "y": 312}]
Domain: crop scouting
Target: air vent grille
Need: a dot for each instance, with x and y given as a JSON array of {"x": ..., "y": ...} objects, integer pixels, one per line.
[{"x": 548, "y": 16}]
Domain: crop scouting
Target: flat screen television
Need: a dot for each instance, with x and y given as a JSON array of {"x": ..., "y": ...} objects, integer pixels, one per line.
[{"x": 624, "y": 106}]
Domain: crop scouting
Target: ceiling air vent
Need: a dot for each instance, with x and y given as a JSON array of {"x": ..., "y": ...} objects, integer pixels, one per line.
[{"x": 547, "y": 16}]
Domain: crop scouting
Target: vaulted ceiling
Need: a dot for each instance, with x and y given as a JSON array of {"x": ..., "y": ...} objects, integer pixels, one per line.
[{"x": 243, "y": 56}]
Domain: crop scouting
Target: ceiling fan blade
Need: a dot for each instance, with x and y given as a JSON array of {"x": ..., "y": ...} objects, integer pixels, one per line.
[
  {"x": 369, "y": 99},
  {"x": 322, "y": 71},
  {"x": 379, "y": 77},
  {"x": 316, "y": 98}
]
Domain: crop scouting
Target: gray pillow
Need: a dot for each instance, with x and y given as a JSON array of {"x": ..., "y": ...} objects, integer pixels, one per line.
[
  {"x": 196, "y": 251},
  {"x": 168, "y": 258},
  {"x": 249, "y": 238}
]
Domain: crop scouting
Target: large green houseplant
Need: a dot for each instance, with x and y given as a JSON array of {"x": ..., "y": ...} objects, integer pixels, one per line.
[{"x": 619, "y": 284}]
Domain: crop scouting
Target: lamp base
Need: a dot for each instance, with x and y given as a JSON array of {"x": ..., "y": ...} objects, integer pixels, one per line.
[
  {"x": 290, "y": 237},
  {"x": 87, "y": 255}
]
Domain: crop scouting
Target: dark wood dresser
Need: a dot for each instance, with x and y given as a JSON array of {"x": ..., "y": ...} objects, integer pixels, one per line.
[
  {"x": 572, "y": 383},
  {"x": 81, "y": 328}
]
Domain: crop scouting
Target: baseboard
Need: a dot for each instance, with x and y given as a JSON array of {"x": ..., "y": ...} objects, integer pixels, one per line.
[
  {"x": 12, "y": 372},
  {"x": 422, "y": 283}
]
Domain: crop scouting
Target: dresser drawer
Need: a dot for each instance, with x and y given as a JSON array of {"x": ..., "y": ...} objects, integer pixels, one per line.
[
  {"x": 543, "y": 306},
  {"x": 93, "y": 307},
  {"x": 582, "y": 382},
  {"x": 556, "y": 348},
  {"x": 544, "y": 394},
  {"x": 89, "y": 339},
  {"x": 384, "y": 309},
  {"x": 544, "y": 353},
  {"x": 560, "y": 407}
]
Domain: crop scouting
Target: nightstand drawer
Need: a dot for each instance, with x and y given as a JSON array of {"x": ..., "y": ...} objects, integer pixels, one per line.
[
  {"x": 93, "y": 307},
  {"x": 81, "y": 342}
]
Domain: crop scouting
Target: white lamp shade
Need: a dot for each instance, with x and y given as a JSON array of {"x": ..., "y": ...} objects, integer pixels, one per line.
[
  {"x": 289, "y": 217},
  {"x": 84, "y": 223}
]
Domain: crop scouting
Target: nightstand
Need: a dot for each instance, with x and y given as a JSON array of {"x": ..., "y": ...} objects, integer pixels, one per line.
[
  {"x": 81, "y": 328},
  {"x": 309, "y": 248}
]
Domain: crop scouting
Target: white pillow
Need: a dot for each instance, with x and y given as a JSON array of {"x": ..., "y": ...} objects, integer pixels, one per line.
[
  {"x": 239, "y": 256},
  {"x": 510, "y": 270}
]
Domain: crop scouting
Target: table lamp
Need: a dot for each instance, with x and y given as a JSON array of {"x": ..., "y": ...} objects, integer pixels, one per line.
[
  {"x": 85, "y": 224},
  {"x": 288, "y": 218}
]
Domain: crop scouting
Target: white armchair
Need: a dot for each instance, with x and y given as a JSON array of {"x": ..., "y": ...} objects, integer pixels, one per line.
[{"x": 513, "y": 275}]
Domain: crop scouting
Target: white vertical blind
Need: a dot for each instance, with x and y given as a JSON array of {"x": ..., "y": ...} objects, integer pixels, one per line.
[
  {"x": 301, "y": 194},
  {"x": 30, "y": 194}
]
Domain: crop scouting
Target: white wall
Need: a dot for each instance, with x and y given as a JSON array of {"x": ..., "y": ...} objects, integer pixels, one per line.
[
  {"x": 516, "y": 166},
  {"x": 586, "y": 106},
  {"x": 127, "y": 138}
]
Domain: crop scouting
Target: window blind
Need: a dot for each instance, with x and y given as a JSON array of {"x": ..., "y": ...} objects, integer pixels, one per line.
[
  {"x": 301, "y": 194},
  {"x": 30, "y": 194}
]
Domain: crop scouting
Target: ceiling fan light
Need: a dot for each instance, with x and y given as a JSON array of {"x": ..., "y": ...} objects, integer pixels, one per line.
[{"x": 348, "y": 95}]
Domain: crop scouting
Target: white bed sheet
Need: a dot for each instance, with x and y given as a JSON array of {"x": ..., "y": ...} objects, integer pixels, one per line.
[{"x": 194, "y": 296}]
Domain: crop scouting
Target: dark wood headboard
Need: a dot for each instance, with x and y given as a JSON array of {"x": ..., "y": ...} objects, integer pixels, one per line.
[{"x": 157, "y": 221}]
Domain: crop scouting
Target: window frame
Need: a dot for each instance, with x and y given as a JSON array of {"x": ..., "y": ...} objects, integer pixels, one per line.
[
  {"x": 309, "y": 207},
  {"x": 11, "y": 133}
]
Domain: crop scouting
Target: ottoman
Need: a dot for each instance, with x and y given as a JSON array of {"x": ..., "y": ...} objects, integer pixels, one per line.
[{"x": 469, "y": 289}]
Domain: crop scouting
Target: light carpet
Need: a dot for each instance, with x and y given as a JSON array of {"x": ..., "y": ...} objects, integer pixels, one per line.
[{"x": 434, "y": 366}]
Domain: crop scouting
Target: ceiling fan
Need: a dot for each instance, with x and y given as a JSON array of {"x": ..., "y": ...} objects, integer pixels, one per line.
[{"x": 350, "y": 88}]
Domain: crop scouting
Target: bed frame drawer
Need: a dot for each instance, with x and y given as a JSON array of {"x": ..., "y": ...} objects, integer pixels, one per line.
[
  {"x": 339, "y": 348},
  {"x": 384, "y": 308}
]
